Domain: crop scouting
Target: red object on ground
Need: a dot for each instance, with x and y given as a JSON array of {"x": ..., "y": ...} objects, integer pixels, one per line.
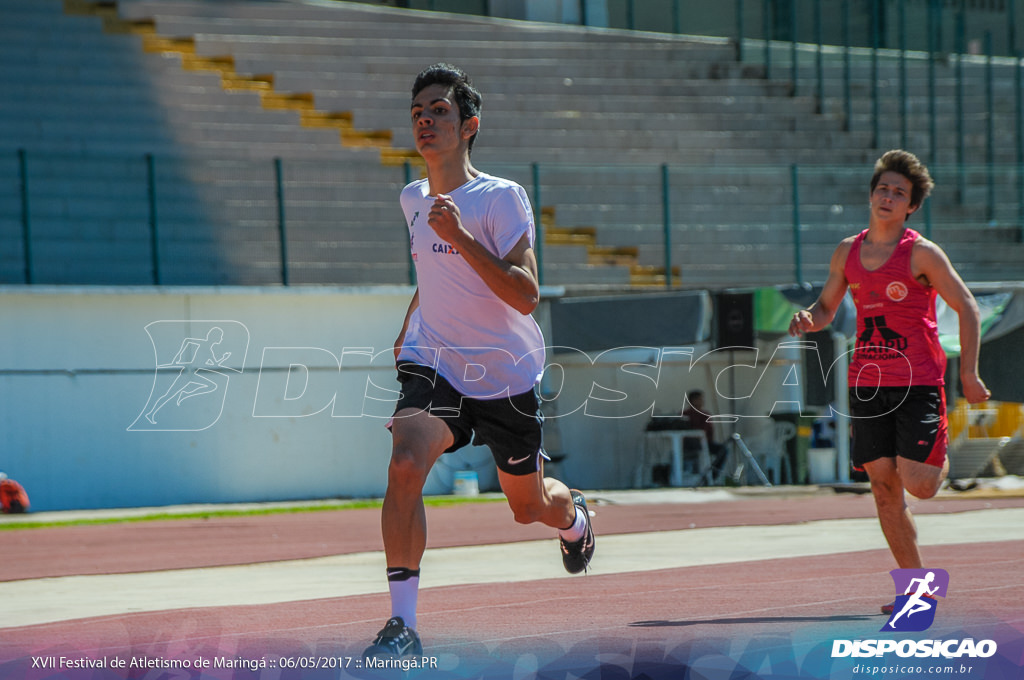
[{"x": 13, "y": 498}]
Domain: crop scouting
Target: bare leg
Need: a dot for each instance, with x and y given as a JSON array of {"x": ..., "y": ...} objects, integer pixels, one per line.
[
  {"x": 889, "y": 477},
  {"x": 921, "y": 480},
  {"x": 893, "y": 515},
  {"x": 418, "y": 440},
  {"x": 535, "y": 498}
]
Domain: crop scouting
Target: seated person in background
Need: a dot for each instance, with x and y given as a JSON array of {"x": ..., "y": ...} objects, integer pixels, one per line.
[
  {"x": 699, "y": 419},
  {"x": 695, "y": 414}
]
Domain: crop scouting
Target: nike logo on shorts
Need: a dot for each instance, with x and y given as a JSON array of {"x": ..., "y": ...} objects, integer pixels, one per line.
[{"x": 517, "y": 461}]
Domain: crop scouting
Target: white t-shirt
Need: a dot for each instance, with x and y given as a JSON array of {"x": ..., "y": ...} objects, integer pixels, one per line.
[{"x": 480, "y": 344}]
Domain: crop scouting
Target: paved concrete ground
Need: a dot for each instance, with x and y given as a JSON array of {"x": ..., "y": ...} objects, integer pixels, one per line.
[{"x": 673, "y": 568}]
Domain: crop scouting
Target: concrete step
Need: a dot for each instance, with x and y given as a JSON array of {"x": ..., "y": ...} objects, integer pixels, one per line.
[
  {"x": 488, "y": 59},
  {"x": 347, "y": 273},
  {"x": 231, "y": 150},
  {"x": 557, "y": 274},
  {"x": 298, "y": 74},
  {"x": 343, "y": 24},
  {"x": 197, "y": 133}
]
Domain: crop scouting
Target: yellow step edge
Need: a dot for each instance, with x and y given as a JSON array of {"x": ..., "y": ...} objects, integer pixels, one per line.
[
  {"x": 223, "y": 64},
  {"x": 237, "y": 82},
  {"x": 547, "y": 216},
  {"x": 366, "y": 138},
  {"x": 409, "y": 154},
  {"x": 115, "y": 25},
  {"x": 158, "y": 43},
  {"x": 655, "y": 282},
  {"x": 626, "y": 251},
  {"x": 382, "y": 135},
  {"x": 568, "y": 240},
  {"x": 141, "y": 26},
  {"x": 121, "y": 27},
  {"x": 299, "y": 101},
  {"x": 650, "y": 275},
  {"x": 575, "y": 236},
  {"x": 90, "y": 7},
  {"x": 360, "y": 142},
  {"x": 230, "y": 80},
  {"x": 390, "y": 157},
  {"x": 338, "y": 119},
  {"x": 342, "y": 121},
  {"x": 588, "y": 231}
]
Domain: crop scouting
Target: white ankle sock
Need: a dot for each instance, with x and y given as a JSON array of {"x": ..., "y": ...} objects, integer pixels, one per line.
[
  {"x": 578, "y": 528},
  {"x": 403, "y": 599}
]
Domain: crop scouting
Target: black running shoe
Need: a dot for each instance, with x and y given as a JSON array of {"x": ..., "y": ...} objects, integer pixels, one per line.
[
  {"x": 576, "y": 556},
  {"x": 396, "y": 640}
]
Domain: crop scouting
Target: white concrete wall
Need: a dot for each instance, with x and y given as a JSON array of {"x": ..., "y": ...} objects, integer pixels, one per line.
[
  {"x": 281, "y": 419},
  {"x": 78, "y": 367}
]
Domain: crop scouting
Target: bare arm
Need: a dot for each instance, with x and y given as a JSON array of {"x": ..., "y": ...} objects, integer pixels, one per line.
[
  {"x": 413, "y": 304},
  {"x": 930, "y": 261},
  {"x": 820, "y": 314},
  {"x": 512, "y": 278}
]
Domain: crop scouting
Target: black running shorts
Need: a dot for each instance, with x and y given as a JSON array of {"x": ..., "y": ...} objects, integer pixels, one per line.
[
  {"x": 899, "y": 421},
  {"x": 510, "y": 426}
]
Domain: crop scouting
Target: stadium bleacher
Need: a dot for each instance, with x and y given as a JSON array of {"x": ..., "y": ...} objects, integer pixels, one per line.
[{"x": 159, "y": 121}]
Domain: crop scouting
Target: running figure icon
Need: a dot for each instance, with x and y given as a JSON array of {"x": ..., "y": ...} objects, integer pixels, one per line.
[
  {"x": 917, "y": 602},
  {"x": 195, "y": 356}
]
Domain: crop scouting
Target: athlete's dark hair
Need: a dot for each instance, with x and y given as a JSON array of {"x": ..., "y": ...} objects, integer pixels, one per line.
[
  {"x": 908, "y": 165},
  {"x": 466, "y": 97}
]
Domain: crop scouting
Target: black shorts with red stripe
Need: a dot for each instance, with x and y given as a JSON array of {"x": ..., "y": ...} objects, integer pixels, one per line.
[{"x": 909, "y": 422}]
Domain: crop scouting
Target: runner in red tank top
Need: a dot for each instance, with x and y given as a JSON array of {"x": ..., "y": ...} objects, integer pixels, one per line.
[
  {"x": 897, "y": 401},
  {"x": 897, "y": 337}
]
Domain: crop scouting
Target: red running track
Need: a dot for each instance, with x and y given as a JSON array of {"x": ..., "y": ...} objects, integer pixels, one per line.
[{"x": 764, "y": 619}]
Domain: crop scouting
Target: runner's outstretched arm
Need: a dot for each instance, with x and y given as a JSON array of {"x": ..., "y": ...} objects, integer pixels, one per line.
[{"x": 820, "y": 314}]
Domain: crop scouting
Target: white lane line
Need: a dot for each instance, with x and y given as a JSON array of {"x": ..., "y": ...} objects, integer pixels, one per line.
[{"x": 36, "y": 601}]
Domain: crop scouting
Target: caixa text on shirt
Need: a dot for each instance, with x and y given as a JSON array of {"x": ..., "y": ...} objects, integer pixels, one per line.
[{"x": 444, "y": 249}]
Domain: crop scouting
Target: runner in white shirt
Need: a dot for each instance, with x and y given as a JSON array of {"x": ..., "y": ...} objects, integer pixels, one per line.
[
  {"x": 490, "y": 349},
  {"x": 469, "y": 355}
]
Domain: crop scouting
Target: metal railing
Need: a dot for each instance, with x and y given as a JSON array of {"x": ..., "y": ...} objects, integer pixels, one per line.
[
  {"x": 907, "y": 24},
  {"x": 165, "y": 220}
]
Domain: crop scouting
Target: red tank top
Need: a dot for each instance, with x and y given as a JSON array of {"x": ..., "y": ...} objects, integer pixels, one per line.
[{"x": 897, "y": 337}]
